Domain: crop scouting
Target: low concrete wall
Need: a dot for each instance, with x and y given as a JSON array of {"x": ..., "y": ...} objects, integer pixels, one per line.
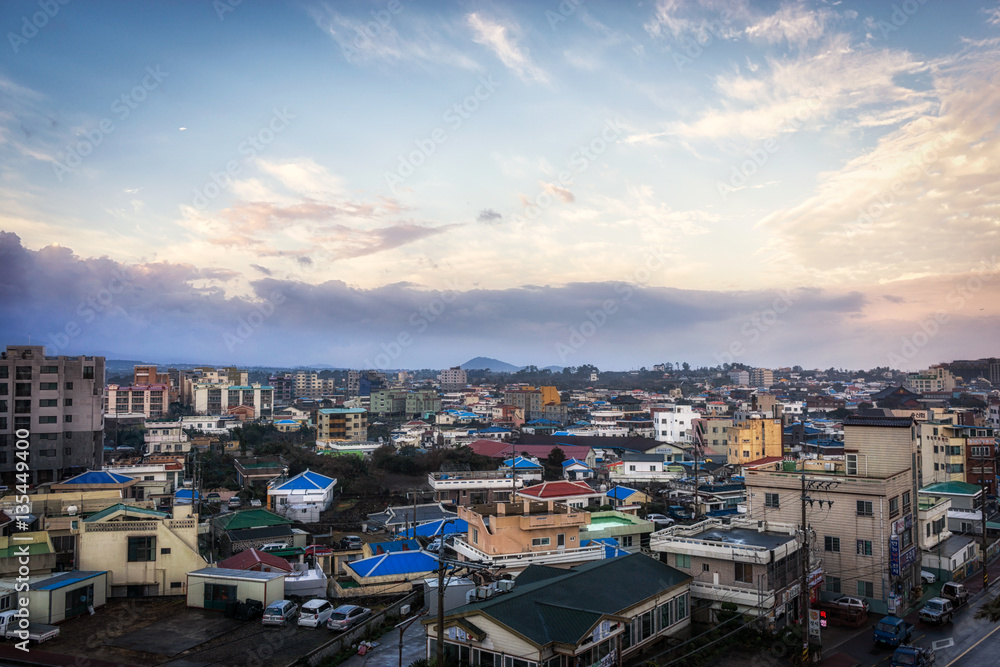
[{"x": 352, "y": 636}]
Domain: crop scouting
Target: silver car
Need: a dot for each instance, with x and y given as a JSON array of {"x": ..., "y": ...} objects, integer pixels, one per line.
[
  {"x": 347, "y": 616},
  {"x": 280, "y": 612}
]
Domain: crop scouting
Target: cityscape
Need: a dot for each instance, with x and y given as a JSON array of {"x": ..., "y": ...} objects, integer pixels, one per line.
[{"x": 494, "y": 333}]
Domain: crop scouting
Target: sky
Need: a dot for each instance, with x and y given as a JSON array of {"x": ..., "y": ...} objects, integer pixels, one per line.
[{"x": 399, "y": 184}]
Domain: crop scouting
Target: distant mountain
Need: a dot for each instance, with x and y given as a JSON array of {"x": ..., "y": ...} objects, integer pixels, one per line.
[{"x": 495, "y": 365}]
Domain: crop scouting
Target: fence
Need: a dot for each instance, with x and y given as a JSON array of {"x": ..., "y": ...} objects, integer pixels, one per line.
[{"x": 335, "y": 646}]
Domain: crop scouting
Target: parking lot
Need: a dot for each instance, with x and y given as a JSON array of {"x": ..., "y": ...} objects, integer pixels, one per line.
[{"x": 160, "y": 631}]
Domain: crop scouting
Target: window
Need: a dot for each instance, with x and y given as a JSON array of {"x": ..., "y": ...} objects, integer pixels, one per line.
[
  {"x": 831, "y": 543},
  {"x": 22, "y": 373},
  {"x": 981, "y": 452},
  {"x": 832, "y": 584},
  {"x": 48, "y": 403},
  {"x": 22, "y": 389},
  {"x": 704, "y": 567},
  {"x": 3, "y": 387},
  {"x": 4, "y": 372},
  {"x": 953, "y": 450},
  {"x": 67, "y": 451},
  {"x": 51, "y": 419},
  {"x": 68, "y": 402},
  {"x": 682, "y": 560},
  {"x": 3, "y": 406},
  {"x": 771, "y": 500},
  {"x": 22, "y": 407},
  {"x": 68, "y": 435},
  {"x": 67, "y": 418},
  {"x": 893, "y": 507},
  {"x": 866, "y": 589},
  {"x": 906, "y": 502},
  {"x": 540, "y": 541},
  {"x": 852, "y": 464},
  {"x": 176, "y": 584},
  {"x": 475, "y": 535},
  {"x": 954, "y": 467},
  {"x": 69, "y": 386},
  {"x": 49, "y": 369},
  {"x": 141, "y": 549},
  {"x": 626, "y": 540},
  {"x": 744, "y": 573},
  {"x": 88, "y": 372},
  {"x": 47, "y": 452},
  {"x": 165, "y": 552},
  {"x": 864, "y": 547},
  {"x": 48, "y": 386},
  {"x": 865, "y": 508}
]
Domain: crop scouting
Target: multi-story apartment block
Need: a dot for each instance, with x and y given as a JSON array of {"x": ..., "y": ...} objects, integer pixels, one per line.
[
  {"x": 422, "y": 402},
  {"x": 756, "y": 567},
  {"x": 166, "y": 437},
  {"x": 740, "y": 378},
  {"x": 217, "y": 399},
  {"x": 284, "y": 387},
  {"x": 453, "y": 379},
  {"x": 762, "y": 378},
  {"x": 672, "y": 423},
  {"x": 993, "y": 414},
  {"x": 363, "y": 383},
  {"x": 55, "y": 403},
  {"x": 388, "y": 403},
  {"x": 530, "y": 402},
  {"x": 954, "y": 453},
  {"x": 712, "y": 432},
  {"x": 151, "y": 400},
  {"x": 866, "y": 536},
  {"x": 970, "y": 369},
  {"x": 350, "y": 424},
  {"x": 752, "y": 439},
  {"x": 935, "y": 378}
]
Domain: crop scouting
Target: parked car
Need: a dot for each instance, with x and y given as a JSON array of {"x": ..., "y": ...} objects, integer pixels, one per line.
[
  {"x": 213, "y": 498},
  {"x": 927, "y": 577},
  {"x": 937, "y": 610},
  {"x": 315, "y": 612},
  {"x": 318, "y": 550},
  {"x": 848, "y": 602},
  {"x": 347, "y": 616},
  {"x": 351, "y": 542},
  {"x": 235, "y": 503},
  {"x": 955, "y": 592},
  {"x": 280, "y": 612},
  {"x": 275, "y": 546},
  {"x": 659, "y": 520},
  {"x": 255, "y": 503}
]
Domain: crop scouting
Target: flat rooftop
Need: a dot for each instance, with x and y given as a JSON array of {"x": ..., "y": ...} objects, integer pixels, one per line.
[{"x": 744, "y": 536}]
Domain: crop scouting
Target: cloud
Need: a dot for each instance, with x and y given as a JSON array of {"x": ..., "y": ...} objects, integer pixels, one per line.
[
  {"x": 263, "y": 269},
  {"x": 495, "y": 36},
  {"x": 793, "y": 23},
  {"x": 489, "y": 216},
  {"x": 562, "y": 193}
]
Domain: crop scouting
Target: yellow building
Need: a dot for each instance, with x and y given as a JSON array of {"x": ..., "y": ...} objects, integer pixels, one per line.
[
  {"x": 754, "y": 439},
  {"x": 145, "y": 552},
  {"x": 350, "y": 424}
]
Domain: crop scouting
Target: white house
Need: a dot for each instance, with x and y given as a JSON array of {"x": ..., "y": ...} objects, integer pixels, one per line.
[
  {"x": 574, "y": 470},
  {"x": 672, "y": 423},
  {"x": 302, "y": 497}
]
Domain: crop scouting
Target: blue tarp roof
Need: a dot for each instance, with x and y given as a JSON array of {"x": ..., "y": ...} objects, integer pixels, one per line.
[
  {"x": 188, "y": 494},
  {"x": 620, "y": 493},
  {"x": 98, "y": 477},
  {"x": 521, "y": 463},
  {"x": 400, "y": 562},
  {"x": 307, "y": 481},
  {"x": 393, "y": 546},
  {"x": 434, "y": 528}
]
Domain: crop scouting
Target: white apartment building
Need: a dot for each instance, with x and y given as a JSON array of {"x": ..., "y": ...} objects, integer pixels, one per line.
[
  {"x": 672, "y": 423},
  {"x": 741, "y": 378},
  {"x": 151, "y": 400},
  {"x": 453, "y": 378},
  {"x": 164, "y": 437},
  {"x": 216, "y": 399}
]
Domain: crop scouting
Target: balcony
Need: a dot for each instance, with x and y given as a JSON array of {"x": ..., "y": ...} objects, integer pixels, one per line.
[
  {"x": 471, "y": 480},
  {"x": 520, "y": 560},
  {"x": 742, "y": 595}
]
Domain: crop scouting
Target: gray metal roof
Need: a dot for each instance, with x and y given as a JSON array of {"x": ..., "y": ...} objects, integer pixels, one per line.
[
  {"x": 244, "y": 575},
  {"x": 745, "y": 536}
]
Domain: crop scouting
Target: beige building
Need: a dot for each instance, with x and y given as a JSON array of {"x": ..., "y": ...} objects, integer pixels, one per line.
[
  {"x": 145, "y": 552},
  {"x": 935, "y": 378},
  {"x": 350, "y": 424},
  {"x": 864, "y": 529},
  {"x": 58, "y": 401},
  {"x": 152, "y": 400},
  {"x": 753, "y": 439}
]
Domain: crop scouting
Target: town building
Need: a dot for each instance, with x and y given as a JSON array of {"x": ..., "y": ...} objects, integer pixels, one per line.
[
  {"x": 473, "y": 487},
  {"x": 347, "y": 424},
  {"x": 573, "y": 494},
  {"x": 762, "y": 378},
  {"x": 220, "y": 398},
  {"x": 753, "y": 439},
  {"x": 957, "y": 453},
  {"x": 672, "y": 423},
  {"x": 935, "y": 378},
  {"x": 303, "y": 497},
  {"x": 149, "y": 399},
  {"x": 600, "y": 613},
  {"x": 57, "y": 400},
  {"x": 453, "y": 379},
  {"x": 528, "y": 401}
]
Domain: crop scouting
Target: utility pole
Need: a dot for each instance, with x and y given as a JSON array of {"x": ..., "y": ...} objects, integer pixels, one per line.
[
  {"x": 982, "y": 509},
  {"x": 804, "y": 592},
  {"x": 696, "y": 482},
  {"x": 513, "y": 472},
  {"x": 439, "y": 660}
]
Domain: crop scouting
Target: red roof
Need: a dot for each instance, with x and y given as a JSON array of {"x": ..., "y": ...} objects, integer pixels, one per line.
[
  {"x": 558, "y": 490},
  {"x": 501, "y": 450},
  {"x": 247, "y": 560}
]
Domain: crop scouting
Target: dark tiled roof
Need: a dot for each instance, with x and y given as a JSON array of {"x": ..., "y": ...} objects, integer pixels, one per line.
[
  {"x": 896, "y": 422},
  {"x": 547, "y": 606}
]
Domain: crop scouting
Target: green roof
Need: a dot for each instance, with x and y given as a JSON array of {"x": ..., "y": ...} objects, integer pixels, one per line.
[
  {"x": 556, "y": 605},
  {"x": 17, "y": 549},
  {"x": 952, "y": 488},
  {"x": 130, "y": 510},
  {"x": 252, "y": 518}
]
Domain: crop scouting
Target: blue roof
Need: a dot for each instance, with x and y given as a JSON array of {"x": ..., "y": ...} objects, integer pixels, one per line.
[
  {"x": 494, "y": 429},
  {"x": 307, "y": 481},
  {"x": 434, "y": 528},
  {"x": 521, "y": 463},
  {"x": 286, "y": 421},
  {"x": 620, "y": 493},
  {"x": 187, "y": 494},
  {"x": 98, "y": 477},
  {"x": 610, "y": 541},
  {"x": 576, "y": 461},
  {"x": 65, "y": 579},
  {"x": 393, "y": 546},
  {"x": 394, "y": 564}
]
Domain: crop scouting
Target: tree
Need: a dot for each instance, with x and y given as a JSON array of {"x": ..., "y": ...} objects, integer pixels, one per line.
[
  {"x": 686, "y": 366},
  {"x": 990, "y": 611},
  {"x": 553, "y": 464}
]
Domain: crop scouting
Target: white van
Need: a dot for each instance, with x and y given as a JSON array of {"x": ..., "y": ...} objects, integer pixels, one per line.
[{"x": 315, "y": 613}]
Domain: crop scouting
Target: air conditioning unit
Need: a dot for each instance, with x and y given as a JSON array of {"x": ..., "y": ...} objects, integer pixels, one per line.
[
  {"x": 404, "y": 610},
  {"x": 484, "y": 592},
  {"x": 505, "y": 585}
]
